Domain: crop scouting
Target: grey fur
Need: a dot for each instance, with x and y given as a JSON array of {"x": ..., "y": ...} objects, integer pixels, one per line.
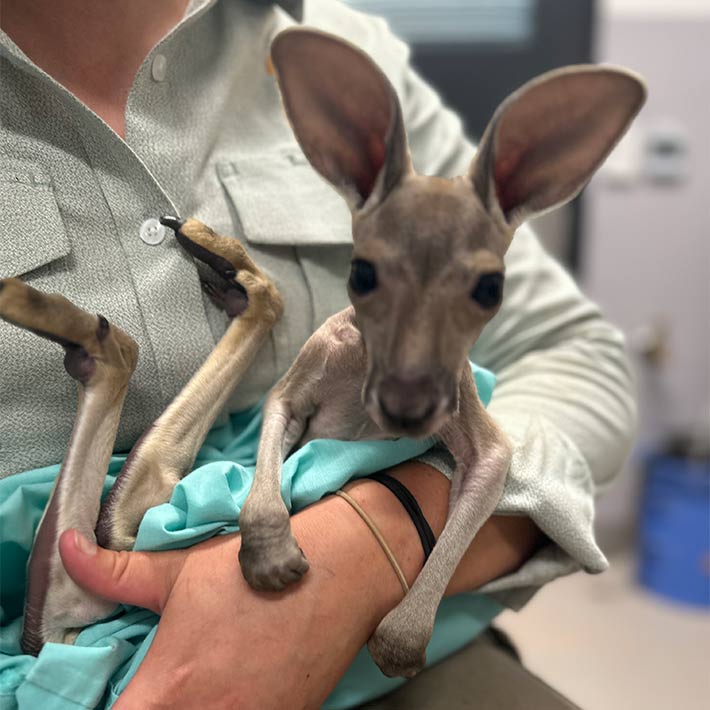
[
  {"x": 55, "y": 607},
  {"x": 403, "y": 346}
]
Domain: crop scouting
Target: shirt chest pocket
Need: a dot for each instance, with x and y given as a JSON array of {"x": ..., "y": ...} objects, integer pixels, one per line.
[
  {"x": 31, "y": 230},
  {"x": 280, "y": 201}
]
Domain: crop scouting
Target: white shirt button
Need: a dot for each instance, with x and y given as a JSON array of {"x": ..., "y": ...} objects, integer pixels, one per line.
[
  {"x": 159, "y": 68},
  {"x": 152, "y": 232}
]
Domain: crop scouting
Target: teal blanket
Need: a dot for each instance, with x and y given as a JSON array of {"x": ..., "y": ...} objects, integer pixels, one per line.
[{"x": 92, "y": 672}]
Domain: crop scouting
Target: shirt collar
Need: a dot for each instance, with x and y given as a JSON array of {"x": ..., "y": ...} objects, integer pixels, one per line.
[{"x": 293, "y": 7}]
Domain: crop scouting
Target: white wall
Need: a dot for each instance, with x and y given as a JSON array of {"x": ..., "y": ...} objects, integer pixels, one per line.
[
  {"x": 646, "y": 256},
  {"x": 655, "y": 8}
]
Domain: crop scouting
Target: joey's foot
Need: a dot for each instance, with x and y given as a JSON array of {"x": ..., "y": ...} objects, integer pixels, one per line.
[
  {"x": 145, "y": 481},
  {"x": 59, "y": 611},
  {"x": 398, "y": 649},
  {"x": 95, "y": 350},
  {"x": 242, "y": 289},
  {"x": 115, "y": 533},
  {"x": 270, "y": 564}
]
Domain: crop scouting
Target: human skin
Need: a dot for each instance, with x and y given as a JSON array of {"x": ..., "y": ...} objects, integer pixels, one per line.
[
  {"x": 220, "y": 644},
  {"x": 94, "y": 49},
  {"x": 297, "y": 642}
]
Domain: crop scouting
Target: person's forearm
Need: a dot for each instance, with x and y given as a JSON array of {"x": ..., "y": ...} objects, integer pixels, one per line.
[
  {"x": 316, "y": 627},
  {"x": 502, "y": 545},
  {"x": 333, "y": 535}
]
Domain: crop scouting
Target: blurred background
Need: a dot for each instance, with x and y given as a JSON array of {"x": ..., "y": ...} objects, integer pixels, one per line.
[{"x": 638, "y": 240}]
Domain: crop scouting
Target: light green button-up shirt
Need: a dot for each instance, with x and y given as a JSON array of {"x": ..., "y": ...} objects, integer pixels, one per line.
[{"x": 206, "y": 136}]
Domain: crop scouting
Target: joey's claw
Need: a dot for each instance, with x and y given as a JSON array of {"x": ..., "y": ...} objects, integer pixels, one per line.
[
  {"x": 209, "y": 289},
  {"x": 214, "y": 293},
  {"x": 173, "y": 223},
  {"x": 241, "y": 286},
  {"x": 231, "y": 297}
]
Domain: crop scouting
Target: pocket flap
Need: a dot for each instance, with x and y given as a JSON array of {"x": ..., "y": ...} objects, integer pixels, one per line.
[
  {"x": 280, "y": 199},
  {"x": 31, "y": 229}
]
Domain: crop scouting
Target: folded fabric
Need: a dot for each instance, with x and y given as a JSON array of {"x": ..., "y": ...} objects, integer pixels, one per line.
[{"x": 92, "y": 672}]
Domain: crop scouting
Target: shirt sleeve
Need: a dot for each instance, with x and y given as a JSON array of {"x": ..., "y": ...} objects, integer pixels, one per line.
[{"x": 564, "y": 394}]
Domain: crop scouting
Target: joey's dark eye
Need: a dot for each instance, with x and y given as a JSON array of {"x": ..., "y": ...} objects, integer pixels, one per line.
[
  {"x": 488, "y": 290},
  {"x": 363, "y": 277}
]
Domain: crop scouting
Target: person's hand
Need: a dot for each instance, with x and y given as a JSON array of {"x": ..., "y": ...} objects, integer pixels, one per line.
[{"x": 219, "y": 644}]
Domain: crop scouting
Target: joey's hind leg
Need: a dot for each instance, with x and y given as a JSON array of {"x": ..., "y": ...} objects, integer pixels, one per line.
[
  {"x": 482, "y": 454},
  {"x": 167, "y": 451},
  {"x": 399, "y": 643},
  {"x": 101, "y": 357}
]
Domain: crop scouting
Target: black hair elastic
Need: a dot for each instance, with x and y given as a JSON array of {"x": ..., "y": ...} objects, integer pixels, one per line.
[{"x": 412, "y": 507}]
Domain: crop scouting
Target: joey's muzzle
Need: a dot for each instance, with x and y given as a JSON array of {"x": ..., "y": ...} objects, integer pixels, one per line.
[{"x": 411, "y": 405}]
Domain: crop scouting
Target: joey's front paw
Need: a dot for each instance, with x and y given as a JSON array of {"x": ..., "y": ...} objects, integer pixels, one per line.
[
  {"x": 271, "y": 563},
  {"x": 398, "y": 649}
]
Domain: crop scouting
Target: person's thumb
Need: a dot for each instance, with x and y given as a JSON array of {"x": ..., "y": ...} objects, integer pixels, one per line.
[{"x": 139, "y": 578}]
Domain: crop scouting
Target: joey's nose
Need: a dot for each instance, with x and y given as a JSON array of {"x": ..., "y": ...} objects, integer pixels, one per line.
[
  {"x": 173, "y": 222},
  {"x": 408, "y": 402}
]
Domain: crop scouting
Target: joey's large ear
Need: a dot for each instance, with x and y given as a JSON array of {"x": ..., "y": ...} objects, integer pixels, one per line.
[
  {"x": 545, "y": 141},
  {"x": 344, "y": 112}
]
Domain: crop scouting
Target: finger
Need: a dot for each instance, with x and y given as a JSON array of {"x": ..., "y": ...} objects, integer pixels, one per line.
[{"x": 139, "y": 578}]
